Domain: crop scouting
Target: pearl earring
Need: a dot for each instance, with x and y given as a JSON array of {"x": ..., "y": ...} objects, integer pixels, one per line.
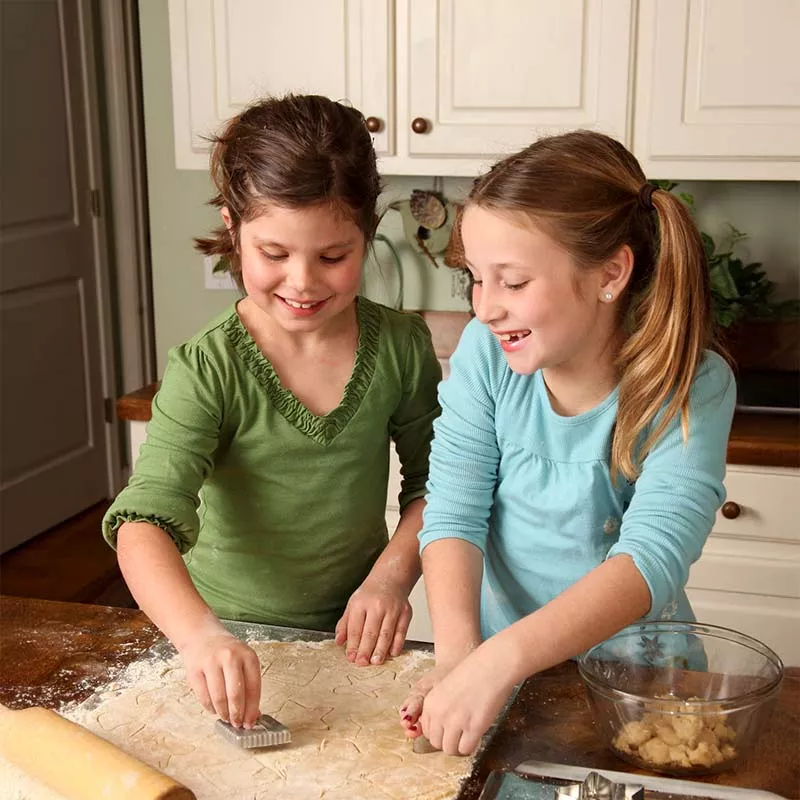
[{"x": 608, "y": 296}]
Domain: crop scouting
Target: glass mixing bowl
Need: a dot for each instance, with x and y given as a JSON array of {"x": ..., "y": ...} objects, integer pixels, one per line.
[{"x": 681, "y": 698}]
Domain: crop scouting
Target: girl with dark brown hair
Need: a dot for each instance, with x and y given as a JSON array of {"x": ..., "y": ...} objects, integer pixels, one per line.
[
  {"x": 260, "y": 492},
  {"x": 578, "y": 463}
]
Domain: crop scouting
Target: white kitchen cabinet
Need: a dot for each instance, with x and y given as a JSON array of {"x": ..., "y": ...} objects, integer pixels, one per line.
[
  {"x": 225, "y": 53},
  {"x": 718, "y": 89},
  {"x": 447, "y": 86},
  {"x": 489, "y": 78},
  {"x": 137, "y": 433},
  {"x": 420, "y": 629},
  {"x": 748, "y": 577}
]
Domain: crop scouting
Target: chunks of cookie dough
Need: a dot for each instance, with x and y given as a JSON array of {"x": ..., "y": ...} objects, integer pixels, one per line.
[{"x": 680, "y": 739}]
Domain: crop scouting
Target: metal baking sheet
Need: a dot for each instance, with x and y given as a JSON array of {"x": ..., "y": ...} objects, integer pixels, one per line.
[
  {"x": 274, "y": 633},
  {"x": 538, "y": 780}
]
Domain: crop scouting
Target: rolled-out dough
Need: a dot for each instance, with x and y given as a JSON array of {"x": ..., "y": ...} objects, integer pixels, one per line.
[{"x": 347, "y": 742}]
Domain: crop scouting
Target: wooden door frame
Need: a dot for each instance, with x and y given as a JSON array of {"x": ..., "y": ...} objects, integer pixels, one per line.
[
  {"x": 127, "y": 184},
  {"x": 109, "y": 41},
  {"x": 89, "y": 79},
  {"x": 118, "y": 164}
]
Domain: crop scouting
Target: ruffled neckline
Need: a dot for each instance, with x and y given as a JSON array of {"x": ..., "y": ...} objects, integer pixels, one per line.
[{"x": 323, "y": 429}]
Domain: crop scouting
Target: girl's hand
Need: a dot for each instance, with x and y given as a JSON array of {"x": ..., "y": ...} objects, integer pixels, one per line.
[
  {"x": 412, "y": 707},
  {"x": 225, "y": 674},
  {"x": 374, "y": 623},
  {"x": 459, "y": 709}
]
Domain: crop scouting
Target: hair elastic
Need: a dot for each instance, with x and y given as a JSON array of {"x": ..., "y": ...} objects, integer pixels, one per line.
[{"x": 646, "y": 196}]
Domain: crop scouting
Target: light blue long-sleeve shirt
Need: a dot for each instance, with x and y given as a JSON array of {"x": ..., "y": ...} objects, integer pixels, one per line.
[{"x": 533, "y": 489}]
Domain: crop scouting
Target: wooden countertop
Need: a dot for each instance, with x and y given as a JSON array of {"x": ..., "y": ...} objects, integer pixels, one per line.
[
  {"x": 765, "y": 440},
  {"x": 52, "y": 653}
]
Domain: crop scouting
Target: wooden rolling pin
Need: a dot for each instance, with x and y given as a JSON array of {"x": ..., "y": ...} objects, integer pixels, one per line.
[{"x": 73, "y": 761}]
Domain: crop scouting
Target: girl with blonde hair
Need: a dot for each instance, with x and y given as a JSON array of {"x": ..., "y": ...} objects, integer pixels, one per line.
[{"x": 578, "y": 462}]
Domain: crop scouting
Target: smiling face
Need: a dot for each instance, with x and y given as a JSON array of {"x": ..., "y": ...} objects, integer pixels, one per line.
[
  {"x": 301, "y": 266},
  {"x": 545, "y": 312}
]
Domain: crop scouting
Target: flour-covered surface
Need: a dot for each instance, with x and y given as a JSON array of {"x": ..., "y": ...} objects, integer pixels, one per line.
[{"x": 346, "y": 739}]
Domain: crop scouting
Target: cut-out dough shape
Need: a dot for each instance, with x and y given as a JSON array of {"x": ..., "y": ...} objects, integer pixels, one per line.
[{"x": 347, "y": 741}]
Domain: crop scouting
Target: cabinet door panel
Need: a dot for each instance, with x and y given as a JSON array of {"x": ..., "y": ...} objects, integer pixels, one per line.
[
  {"x": 225, "y": 54},
  {"x": 769, "y": 505},
  {"x": 772, "y": 620},
  {"x": 491, "y": 77},
  {"x": 748, "y": 577},
  {"x": 718, "y": 89}
]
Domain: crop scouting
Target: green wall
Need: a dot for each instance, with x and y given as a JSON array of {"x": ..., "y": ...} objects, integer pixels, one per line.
[{"x": 770, "y": 212}]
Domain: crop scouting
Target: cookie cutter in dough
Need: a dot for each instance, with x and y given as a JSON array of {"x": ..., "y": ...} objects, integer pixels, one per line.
[{"x": 267, "y": 732}]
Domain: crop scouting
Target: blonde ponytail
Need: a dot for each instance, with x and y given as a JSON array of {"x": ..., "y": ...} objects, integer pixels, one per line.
[
  {"x": 589, "y": 193},
  {"x": 671, "y": 328}
]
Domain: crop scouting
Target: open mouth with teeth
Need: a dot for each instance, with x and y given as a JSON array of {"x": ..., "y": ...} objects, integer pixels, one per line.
[
  {"x": 513, "y": 340},
  {"x": 304, "y": 307}
]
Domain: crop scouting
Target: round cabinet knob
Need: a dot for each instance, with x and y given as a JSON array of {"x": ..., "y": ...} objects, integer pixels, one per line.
[
  {"x": 374, "y": 124},
  {"x": 731, "y": 510},
  {"x": 420, "y": 125}
]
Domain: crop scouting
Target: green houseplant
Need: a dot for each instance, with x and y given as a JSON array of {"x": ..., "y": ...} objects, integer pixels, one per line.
[
  {"x": 758, "y": 331},
  {"x": 739, "y": 291}
]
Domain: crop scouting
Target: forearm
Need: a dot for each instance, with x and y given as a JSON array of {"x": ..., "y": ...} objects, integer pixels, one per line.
[
  {"x": 610, "y": 597},
  {"x": 453, "y": 570},
  {"x": 399, "y": 563},
  {"x": 161, "y": 584}
]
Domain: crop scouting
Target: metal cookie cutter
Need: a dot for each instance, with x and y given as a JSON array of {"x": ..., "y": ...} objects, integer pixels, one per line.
[{"x": 597, "y": 787}]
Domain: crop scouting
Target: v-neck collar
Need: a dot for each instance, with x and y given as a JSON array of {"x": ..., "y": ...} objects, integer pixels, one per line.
[{"x": 323, "y": 429}]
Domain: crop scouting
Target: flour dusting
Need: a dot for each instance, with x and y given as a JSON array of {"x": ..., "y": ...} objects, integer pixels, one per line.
[{"x": 346, "y": 738}]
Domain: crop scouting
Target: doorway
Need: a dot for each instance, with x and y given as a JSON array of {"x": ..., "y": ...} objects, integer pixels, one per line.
[{"x": 61, "y": 318}]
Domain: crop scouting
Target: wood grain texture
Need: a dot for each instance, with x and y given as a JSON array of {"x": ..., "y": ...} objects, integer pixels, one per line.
[
  {"x": 135, "y": 406},
  {"x": 767, "y": 440},
  {"x": 70, "y": 562},
  {"x": 51, "y": 653},
  {"x": 550, "y": 721},
  {"x": 79, "y": 764}
]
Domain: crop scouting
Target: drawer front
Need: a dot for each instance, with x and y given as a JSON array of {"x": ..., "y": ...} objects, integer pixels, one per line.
[
  {"x": 749, "y": 567},
  {"x": 774, "y": 621},
  {"x": 768, "y": 501}
]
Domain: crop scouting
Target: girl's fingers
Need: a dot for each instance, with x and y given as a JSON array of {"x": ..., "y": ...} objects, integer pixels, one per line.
[
  {"x": 374, "y": 648},
  {"x": 425, "y": 683},
  {"x": 233, "y": 674},
  {"x": 433, "y": 733},
  {"x": 450, "y": 740},
  {"x": 341, "y": 627},
  {"x": 414, "y": 731},
  {"x": 400, "y": 631},
  {"x": 355, "y": 626},
  {"x": 197, "y": 682},
  {"x": 215, "y": 680},
  {"x": 467, "y": 744},
  {"x": 411, "y": 711},
  {"x": 252, "y": 690}
]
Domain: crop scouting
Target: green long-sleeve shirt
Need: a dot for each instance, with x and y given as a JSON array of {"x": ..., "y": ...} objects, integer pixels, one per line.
[{"x": 280, "y": 514}]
